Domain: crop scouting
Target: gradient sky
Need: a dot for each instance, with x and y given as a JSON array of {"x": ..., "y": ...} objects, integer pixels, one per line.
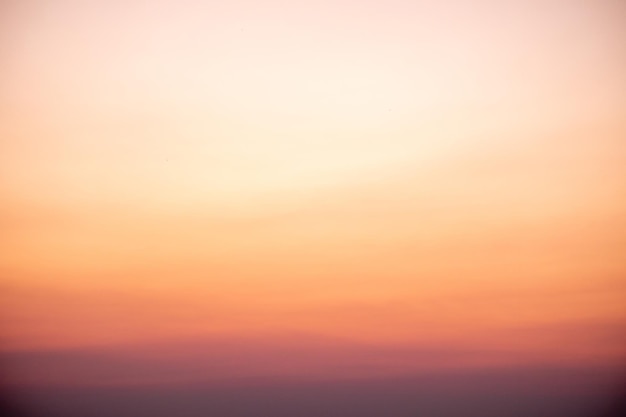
[{"x": 332, "y": 189}]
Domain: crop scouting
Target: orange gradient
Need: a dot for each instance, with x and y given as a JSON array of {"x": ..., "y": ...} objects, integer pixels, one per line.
[{"x": 334, "y": 189}]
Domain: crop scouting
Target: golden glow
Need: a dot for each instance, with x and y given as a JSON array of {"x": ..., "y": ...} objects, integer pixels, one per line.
[{"x": 344, "y": 180}]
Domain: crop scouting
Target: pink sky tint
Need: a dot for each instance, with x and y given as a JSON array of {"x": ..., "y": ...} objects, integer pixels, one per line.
[{"x": 395, "y": 175}]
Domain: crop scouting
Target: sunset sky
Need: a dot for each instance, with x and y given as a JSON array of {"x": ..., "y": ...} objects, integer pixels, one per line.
[{"x": 220, "y": 191}]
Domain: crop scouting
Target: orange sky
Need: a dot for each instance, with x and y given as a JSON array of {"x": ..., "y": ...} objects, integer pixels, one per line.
[{"x": 371, "y": 187}]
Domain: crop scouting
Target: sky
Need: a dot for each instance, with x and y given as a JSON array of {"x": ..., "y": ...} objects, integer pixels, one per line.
[{"x": 207, "y": 193}]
